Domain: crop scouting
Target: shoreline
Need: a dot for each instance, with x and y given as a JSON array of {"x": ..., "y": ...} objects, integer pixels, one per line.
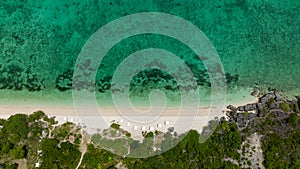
[
  {"x": 134, "y": 123},
  {"x": 61, "y": 103}
]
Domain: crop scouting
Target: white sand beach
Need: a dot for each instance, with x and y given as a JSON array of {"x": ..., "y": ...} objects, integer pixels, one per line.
[{"x": 101, "y": 117}]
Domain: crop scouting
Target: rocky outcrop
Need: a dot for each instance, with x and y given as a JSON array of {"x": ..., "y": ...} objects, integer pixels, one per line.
[
  {"x": 232, "y": 108},
  {"x": 269, "y": 98},
  {"x": 270, "y": 102},
  {"x": 265, "y": 98},
  {"x": 248, "y": 107},
  {"x": 298, "y": 100}
]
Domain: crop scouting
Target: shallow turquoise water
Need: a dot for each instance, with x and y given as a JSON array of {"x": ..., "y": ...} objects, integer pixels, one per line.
[{"x": 257, "y": 41}]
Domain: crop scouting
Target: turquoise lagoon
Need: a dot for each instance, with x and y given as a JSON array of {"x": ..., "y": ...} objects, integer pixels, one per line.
[{"x": 258, "y": 43}]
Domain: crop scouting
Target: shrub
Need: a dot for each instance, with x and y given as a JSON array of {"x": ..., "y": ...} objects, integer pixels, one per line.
[
  {"x": 115, "y": 126},
  {"x": 293, "y": 119},
  {"x": 271, "y": 101},
  {"x": 149, "y": 135},
  {"x": 295, "y": 107},
  {"x": 128, "y": 134},
  {"x": 284, "y": 107},
  {"x": 36, "y": 116}
]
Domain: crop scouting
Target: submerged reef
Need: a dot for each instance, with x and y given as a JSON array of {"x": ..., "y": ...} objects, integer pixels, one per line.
[
  {"x": 146, "y": 79},
  {"x": 14, "y": 76},
  {"x": 254, "y": 39}
]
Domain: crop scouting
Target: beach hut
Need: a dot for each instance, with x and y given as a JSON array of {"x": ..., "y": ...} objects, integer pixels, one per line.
[
  {"x": 143, "y": 128},
  {"x": 37, "y": 165},
  {"x": 151, "y": 128},
  {"x": 159, "y": 125},
  {"x": 135, "y": 127}
]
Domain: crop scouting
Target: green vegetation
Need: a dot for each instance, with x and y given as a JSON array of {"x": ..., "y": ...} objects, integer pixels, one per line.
[
  {"x": 295, "y": 107},
  {"x": 8, "y": 166},
  {"x": 149, "y": 135},
  {"x": 13, "y": 137},
  {"x": 270, "y": 101},
  {"x": 284, "y": 107},
  {"x": 282, "y": 152},
  {"x": 63, "y": 131},
  {"x": 128, "y": 134},
  {"x": 36, "y": 116},
  {"x": 189, "y": 152},
  {"x": 50, "y": 120},
  {"x": 22, "y": 136},
  {"x": 65, "y": 156},
  {"x": 293, "y": 119},
  {"x": 115, "y": 126},
  {"x": 280, "y": 134},
  {"x": 97, "y": 158}
]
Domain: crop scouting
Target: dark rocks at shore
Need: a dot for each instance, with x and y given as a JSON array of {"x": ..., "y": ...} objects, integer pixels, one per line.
[
  {"x": 241, "y": 118},
  {"x": 257, "y": 106},
  {"x": 298, "y": 100},
  {"x": 251, "y": 107},
  {"x": 248, "y": 107},
  {"x": 268, "y": 103},
  {"x": 255, "y": 93},
  {"x": 265, "y": 99},
  {"x": 269, "y": 98},
  {"x": 260, "y": 106},
  {"x": 232, "y": 108},
  {"x": 275, "y": 105}
]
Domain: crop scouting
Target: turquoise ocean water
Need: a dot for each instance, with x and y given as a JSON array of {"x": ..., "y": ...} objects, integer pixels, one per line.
[{"x": 258, "y": 43}]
